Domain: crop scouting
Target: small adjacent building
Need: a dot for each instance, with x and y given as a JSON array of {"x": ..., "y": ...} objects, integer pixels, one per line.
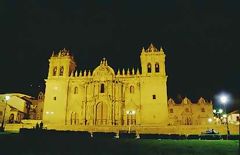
[
  {"x": 20, "y": 106},
  {"x": 188, "y": 113},
  {"x": 234, "y": 117},
  {"x": 14, "y": 107}
]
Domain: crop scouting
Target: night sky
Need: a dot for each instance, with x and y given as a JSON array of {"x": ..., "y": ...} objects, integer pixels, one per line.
[{"x": 200, "y": 39}]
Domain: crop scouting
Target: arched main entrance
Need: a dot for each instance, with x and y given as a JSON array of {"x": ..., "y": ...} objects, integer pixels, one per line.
[
  {"x": 131, "y": 117},
  {"x": 101, "y": 113}
]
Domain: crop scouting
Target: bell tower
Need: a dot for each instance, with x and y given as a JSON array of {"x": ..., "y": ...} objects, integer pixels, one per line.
[
  {"x": 153, "y": 61},
  {"x": 154, "y": 87},
  {"x": 61, "y": 65}
]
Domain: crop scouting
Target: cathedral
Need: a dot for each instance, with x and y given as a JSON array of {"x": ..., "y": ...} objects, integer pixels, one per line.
[{"x": 106, "y": 97}]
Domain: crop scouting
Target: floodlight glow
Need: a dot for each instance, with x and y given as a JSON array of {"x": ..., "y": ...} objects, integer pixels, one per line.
[
  {"x": 224, "y": 99},
  {"x": 224, "y": 115},
  {"x": 214, "y": 110},
  {"x": 209, "y": 120}
]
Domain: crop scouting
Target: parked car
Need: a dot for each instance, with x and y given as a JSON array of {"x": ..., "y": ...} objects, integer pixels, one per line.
[{"x": 210, "y": 131}]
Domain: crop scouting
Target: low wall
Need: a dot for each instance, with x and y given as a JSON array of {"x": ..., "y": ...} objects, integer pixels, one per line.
[
  {"x": 16, "y": 127},
  {"x": 181, "y": 129}
]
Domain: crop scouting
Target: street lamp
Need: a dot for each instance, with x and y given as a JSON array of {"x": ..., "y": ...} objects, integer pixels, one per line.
[
  {"x": 224, "y": 100},
  {"x": 3, "y": 119}
]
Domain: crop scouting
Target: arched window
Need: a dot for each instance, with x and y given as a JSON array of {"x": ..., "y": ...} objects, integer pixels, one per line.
[
  {"x": 11, "y": 118},
  {"x": 149, "y": 68},
  {"x": 75, "y": 90},
  {"x": 102, "y": 88},
  {"x": 154, "y": 97},
  {"x": 157, "y": 68},
  {"x": 131, "y": 89},
  {"x": 171, "y": 110},
  {"x": 237, "y": 119},
  {"x": 55, "y": 71},
  {"x": 61, "y": 71}
]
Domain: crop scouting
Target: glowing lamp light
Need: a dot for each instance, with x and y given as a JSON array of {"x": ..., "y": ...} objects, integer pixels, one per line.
[
  {"x": 209, "y": 120},
  {"x": 131, "y": 112},
  {"x": 7, "y": 98},
  {"x": 52, "y": 112},
  {"x": 47, "y": 112},
  {"x": 214, "y": 110},
  {"x": 224, "y": 99},
  {"x": 220, "y": 111},
  {"x": 224, "y": 115}
]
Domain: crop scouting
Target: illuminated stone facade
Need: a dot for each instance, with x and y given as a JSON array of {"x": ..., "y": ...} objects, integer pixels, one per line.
[
  {"x": 122, "y": 98},
  {"x": 106, "y": 97}
]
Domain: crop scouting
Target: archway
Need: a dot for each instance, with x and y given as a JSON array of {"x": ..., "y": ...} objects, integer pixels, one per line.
[
  {"x": 101, "y": 113},
  {"x": 187, "y": 120},
  {"x": 131, "y": 117}
]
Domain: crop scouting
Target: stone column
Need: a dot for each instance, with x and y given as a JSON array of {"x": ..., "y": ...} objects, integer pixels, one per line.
[
  {"x": 109, "y": 121},
  {"x": 137, "y": 117},
  {"x": 94, "y": 114}
]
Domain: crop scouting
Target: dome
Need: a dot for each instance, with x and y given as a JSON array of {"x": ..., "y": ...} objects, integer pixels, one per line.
[{"x": 103, "y": 71}]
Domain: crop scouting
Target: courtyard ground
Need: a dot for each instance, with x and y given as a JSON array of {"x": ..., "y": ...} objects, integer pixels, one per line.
[{"x": 64, "y": 145}]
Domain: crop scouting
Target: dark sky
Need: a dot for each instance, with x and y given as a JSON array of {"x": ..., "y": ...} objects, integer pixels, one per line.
[{"x": 200, "y": 39}]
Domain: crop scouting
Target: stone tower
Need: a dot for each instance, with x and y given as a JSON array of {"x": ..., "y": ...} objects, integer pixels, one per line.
[
  {"x": 61, "y": 65},
  {"x": 154, "y": 86}
]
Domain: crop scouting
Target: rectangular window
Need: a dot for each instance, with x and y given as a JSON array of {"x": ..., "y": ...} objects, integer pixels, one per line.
[
  {"x": 102, "y": 88},
  {"x": 55, "y": 98},
  {"x": 154, "y": 97}
]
